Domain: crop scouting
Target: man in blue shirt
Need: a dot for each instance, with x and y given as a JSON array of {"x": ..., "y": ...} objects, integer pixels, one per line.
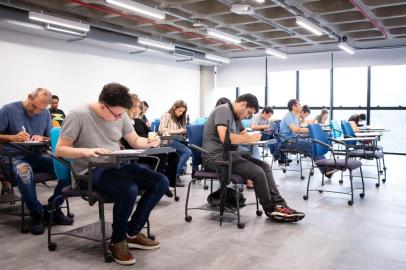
[{"x": 22, "y": 121}]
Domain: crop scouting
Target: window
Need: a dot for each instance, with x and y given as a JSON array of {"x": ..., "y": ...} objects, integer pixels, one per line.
[
  {"x": 345, "y": 114},
  {"x": 314, "y": 87},
  {"x": 258, "y": 91},
  {"x": 350, "y": 86},
  {"x": 387, "y": 86},
  {"x": 227, "y": 92},
  {"x": 281, "y": 88}
]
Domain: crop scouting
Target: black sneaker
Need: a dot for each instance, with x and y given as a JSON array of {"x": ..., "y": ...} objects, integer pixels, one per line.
[
  {"x": 59, "y": 217},
  {"x": 284, "y": 214},
  {"x": 36, "y": 225},
  {"x": 169, "y": 193}
]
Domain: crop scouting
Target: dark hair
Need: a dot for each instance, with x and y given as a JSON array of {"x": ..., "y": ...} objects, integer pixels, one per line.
[
  {"x": 306, "y": 109},
  {"x": 222, "y": 101},
  {"x": 55, "y": 97},
  {"x": 267, "y": 110},
  {"x": 292, "y": 103},
  {"x": 252, "y": 101},
  {"x": 181, "y": 120},
  {"x": 145, "y": 104},
  {"x": 114, "y": 94},
  {"x": 362, "y": 116},
  {"x": 324, "y": 111}
]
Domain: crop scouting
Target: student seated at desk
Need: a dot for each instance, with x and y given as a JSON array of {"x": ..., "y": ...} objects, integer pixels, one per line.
[
  {"x": 246, "y": 166},
  {"x": 290, "y": 129},
  {"x": 355, "y": 121},
  {"x": 174, "y": 122},
  {"x": 167, "y": 162},
  {"x": 95, "y": 129},
  {"x": 30, "y": 120},
  {"x": 57, "y": 115},
  {"x": 260, "y": 122},
  {"x": 303, "y": 116},
  {"x": 322, "y": 118}
]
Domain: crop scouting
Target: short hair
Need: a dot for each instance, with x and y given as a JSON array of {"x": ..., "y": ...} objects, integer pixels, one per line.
[
  {"x": 267, "y": 110},
  {"x": 362, "y": 116},
  {"x": 324, "y": 111},
  {"x": 252, "y": 101},
  {"x": 306, "y": 109},
  {"x": 292, "y": 103},
  {"x": 114, "y": 94},
  {"x": 222, "y": 100},
  {"x": 55, "y": 97},
  {"x": 39, "y": 90},
  {"x": 145, "y": 104}
]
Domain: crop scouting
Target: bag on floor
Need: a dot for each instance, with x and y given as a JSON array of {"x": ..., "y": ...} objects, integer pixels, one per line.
[{"x": 230, "y": 198}]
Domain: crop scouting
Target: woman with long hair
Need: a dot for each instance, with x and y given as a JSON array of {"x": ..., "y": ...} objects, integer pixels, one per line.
[{"x": 174, "y": 122}]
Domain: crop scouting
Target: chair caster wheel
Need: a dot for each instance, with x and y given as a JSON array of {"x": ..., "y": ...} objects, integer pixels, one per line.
[
  {"x": 24, "y": 230},
  {"x": 259, "y": 213},
  {"x": 381, "y": 172},
  {"x": 377, "y": 185},
  {"x": 284, "y": 171},
  {"x": 241, "y": 226},
  {"x": 241, "y": 189},
  {"x": 383, "y": 180},
  {"x": 350, "y": 202},
  {"x": 305, "y": 197},
  {"x": 312, "y": 173},
  {"x": 176, "y": 198},
  {"x": 108, "y": 258},
  {"x": 302, "y": 177},
  {"x": 71, "y": 215},
  {"x": 188, "y": 218},
  {"x": 206, "y": 187},
  {"x": 340, "y": 181},
  {"x": 362, "y": 195},
  {"x": 320, "y": 191},
  {"x": 52, "y": 246}
]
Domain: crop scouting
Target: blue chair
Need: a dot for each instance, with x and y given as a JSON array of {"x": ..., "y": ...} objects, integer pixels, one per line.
[
  {"x": 336, "y": 130},
  {"x": 246, "y": 123},
  {"x": 195, "y": 135},
  {"x": 200, "y": 120},
  {"x": 155, "y": 125},
  {"x": 366, "y": 151},
  {"x": 322, "y": 145}
]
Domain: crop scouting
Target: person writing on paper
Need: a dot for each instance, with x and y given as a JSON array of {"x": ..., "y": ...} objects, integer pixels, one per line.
[
  {"x": 214, "y": 137},
  {"x": 23, "y": 121},
  {"x": 174, "y": 122},
  {"x": 355, "y": 121},
  {"x": 303, "y": 116},
  {"x": 322, "y": 118},
  {"x": 95, "y": 129}
]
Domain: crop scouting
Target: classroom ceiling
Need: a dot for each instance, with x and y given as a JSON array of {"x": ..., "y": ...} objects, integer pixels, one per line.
[{"x": 366, "y": 23}]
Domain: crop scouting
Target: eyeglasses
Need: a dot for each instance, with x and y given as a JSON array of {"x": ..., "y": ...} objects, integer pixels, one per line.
[{"x": 116, "y": 116}]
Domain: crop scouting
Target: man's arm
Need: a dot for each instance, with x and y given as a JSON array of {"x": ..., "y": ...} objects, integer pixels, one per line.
[
  {"x": 65, "y": 149},
  {"x": 296, "y": 129},
  {"x": 138, "y": 142},
  {"x": 241, "y": 138}
]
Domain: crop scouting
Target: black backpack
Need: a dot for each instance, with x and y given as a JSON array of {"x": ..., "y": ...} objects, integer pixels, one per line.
[{"x": 230, "y": 198}]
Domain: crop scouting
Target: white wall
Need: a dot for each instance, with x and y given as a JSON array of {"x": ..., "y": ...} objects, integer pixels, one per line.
[
  {"x": 251, "y": 71},
  {"x": 77, "y": 73}
]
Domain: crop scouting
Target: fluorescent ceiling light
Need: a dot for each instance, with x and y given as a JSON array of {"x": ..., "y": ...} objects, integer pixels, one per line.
[
  {"x": 309, "y": 26},
  {"x": 138, "y": 8},
  {"x": 157, "y": 44},
  {"x": 223, "y": 36},
  {"x": 204, "y": 61},
  {"x": 63, "y": 30},
  {"x": 217, "y": 58},
  {"x": 36, "y": 16},
  {"x": 276, "y": 53},
  {"x": 346, "y": 47}
]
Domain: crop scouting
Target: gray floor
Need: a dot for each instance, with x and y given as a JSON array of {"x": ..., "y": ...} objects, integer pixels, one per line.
[{"x": 370, "y": 235}]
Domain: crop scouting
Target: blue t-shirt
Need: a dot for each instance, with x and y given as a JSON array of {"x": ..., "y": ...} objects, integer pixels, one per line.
[
  {"x": 290, "y": 118},
  {"x": 13, "y": 117}
]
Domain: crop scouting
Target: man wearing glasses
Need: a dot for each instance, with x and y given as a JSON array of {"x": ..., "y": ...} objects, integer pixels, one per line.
[
  {"x": 96, "y": 129},
  {"x": 29, "y": 120}
]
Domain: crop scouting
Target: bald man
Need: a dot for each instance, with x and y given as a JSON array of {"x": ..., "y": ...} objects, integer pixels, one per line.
[{"x": 22, "y": 121}]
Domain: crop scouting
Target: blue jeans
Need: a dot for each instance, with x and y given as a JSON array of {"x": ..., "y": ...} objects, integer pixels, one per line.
[
  {"x": 123, "y": 186},
  {"x": 184, "y": 152},
  {"x": 24, "y": 168}
]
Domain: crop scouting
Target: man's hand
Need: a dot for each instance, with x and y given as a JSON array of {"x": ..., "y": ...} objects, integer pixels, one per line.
[
  {"x": 38, "y": 138},
  {"x": 95, "y": 152},
  {"x": 20, "y": 137},
  {"x": 155, "y": 143},
  {"x": 254, "y": 138}
]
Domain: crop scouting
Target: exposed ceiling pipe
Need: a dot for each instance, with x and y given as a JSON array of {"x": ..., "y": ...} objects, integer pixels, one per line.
[
  {"x": 370, "y": 18},
  {"x": 147, "y": 21}
]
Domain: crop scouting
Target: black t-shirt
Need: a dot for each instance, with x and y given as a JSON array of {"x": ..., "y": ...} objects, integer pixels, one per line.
[
  {"x": 144, "y": 118},
  {"x": 141, "y": 128},
  {"x": 356, "y": 119},
  {"x": 57, "y": 115}
]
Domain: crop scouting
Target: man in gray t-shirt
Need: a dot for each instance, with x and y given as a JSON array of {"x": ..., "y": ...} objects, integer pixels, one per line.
[
  {"x": 96, "y": 129},
  {"x": 248, "y": 167}
]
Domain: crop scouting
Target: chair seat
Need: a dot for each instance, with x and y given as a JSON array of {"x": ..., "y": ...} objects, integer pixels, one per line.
[
  {"x": 202, "y": 174},
  {"x": 366, "y": 154},
  {"x": 69, "y": 191},
  {"x": 352, "y": 164},
  {"x": 43, "y": 177}
]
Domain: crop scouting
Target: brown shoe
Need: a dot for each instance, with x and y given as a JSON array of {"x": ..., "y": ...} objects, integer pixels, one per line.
[
  {"x": 121, "y": 253},
  {"x": 142, "y": 242}
]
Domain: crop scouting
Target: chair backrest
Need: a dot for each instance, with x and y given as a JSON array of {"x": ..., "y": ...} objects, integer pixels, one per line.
[
  {"x": 336, "y": 130},
  {"x": 61, "y": 171},
  {"x": 246, "y": 123},
  {"x": 348, "y": 131},
  {"x": 155, "y": 125},
  {"x": 195, "y": 136},
  {"x": 317, "y": 133},
  {"x": 200, "y": 120}
]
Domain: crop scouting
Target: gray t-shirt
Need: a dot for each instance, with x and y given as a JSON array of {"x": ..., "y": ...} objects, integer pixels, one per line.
[
  {"x": 258, "y": 120},
  {"x": 219, "y": 117},
  {"x": 88, "y": 130}
]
